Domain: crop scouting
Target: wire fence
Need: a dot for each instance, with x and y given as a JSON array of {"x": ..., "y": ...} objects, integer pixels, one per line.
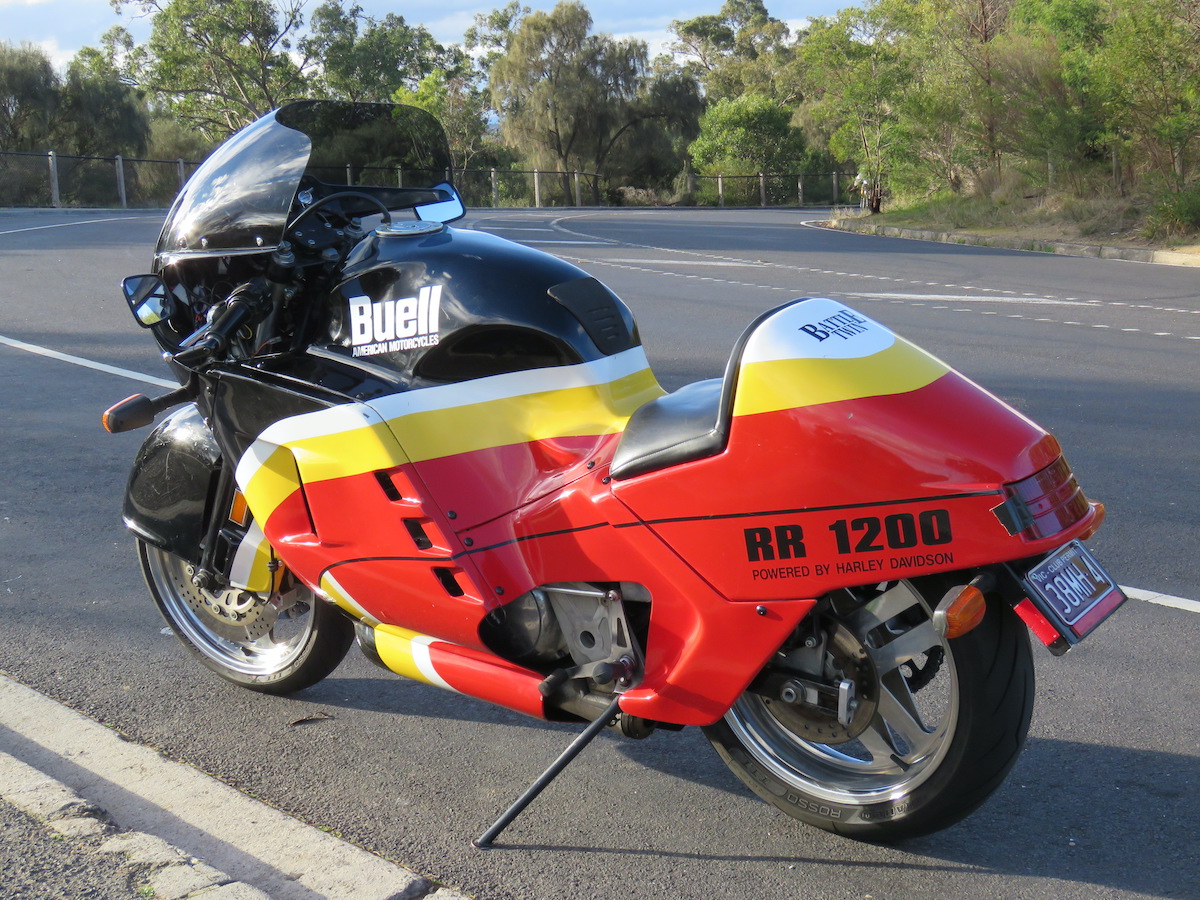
[{"x": 50, "y": 179}]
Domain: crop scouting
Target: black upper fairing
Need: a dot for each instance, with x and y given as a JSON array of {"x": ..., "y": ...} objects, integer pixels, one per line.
[
  {"x": 241, "y": 197},
  {"x": 501, "y": 307}
]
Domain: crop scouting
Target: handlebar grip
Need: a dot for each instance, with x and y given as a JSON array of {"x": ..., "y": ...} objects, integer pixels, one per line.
[{"x": 216, "y": 339}]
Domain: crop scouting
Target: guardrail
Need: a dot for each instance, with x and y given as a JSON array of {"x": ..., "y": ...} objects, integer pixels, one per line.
[{"x": 64, "y": 180}]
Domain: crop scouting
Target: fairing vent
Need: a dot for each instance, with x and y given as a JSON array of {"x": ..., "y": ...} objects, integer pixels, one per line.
[{"x": 1044, "y": 504}]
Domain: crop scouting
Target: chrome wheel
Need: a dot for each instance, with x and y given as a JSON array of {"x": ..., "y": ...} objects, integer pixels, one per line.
[
  {"x": 928, "y": 729},
  {"x": 907, "y": 704},
  {"x": 279, "y": 642}
]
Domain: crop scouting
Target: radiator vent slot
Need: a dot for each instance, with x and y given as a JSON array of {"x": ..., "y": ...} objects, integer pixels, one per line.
[
  {"x": 417, "y": 532},
  {"x": 449, "y": 582}
]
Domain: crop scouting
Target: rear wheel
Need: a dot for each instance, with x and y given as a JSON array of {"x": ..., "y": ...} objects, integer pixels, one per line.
[
  {"x": 933, "y": 726},
  {"x": 276, "y": 643}
]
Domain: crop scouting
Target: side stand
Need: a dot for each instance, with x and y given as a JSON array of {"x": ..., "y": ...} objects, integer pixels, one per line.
[{"x": 484, "y": 841}]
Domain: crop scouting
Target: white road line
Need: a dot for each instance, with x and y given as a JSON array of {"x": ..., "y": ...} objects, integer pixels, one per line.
[
  {"x": 691, "y": 262},
  {"x": 71, "y": 224},
  {"x": 592, "y": 243},
  {"x": 1162, "y": 599},
  {"x": 959, "y": 298},
  {"x": 87, "y": 363}
]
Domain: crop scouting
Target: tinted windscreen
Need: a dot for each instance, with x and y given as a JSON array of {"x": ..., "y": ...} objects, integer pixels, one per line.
[{"x": 240, "y": 197}]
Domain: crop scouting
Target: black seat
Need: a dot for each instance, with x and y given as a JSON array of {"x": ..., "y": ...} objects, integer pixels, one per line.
[
  {"x": 690, "y": 424},
  {"x": 673, "y": 429}
]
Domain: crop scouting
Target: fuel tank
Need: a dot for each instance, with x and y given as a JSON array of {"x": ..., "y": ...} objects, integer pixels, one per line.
[{"x": 433, "y": 304}]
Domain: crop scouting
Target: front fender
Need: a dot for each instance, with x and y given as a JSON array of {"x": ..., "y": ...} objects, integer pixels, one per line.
[{"x": 172, "y": 483}]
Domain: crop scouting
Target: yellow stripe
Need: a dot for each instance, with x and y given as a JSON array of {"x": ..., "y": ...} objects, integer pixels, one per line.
[
  {"x": 573, "y": 412},
  {"x": 404, "y": 651},
  {"x": 274, "y": 481},
  {"x": 791, "y": 383}
]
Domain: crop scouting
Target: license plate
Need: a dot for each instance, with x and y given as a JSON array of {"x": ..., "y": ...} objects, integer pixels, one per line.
[{"x": 1072, "y": 589}]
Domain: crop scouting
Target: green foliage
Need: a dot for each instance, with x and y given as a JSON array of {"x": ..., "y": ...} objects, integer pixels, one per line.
[
  {"x": 1148, "y": 71},
  {"x": 362, "y": 58},
  {"x": 460, "y": 106},
  {"x": 29, "y": 95},
  {"x": 743, "y": 49},
  {"x": 748, "y": 135},
  {"x": 568, "y": 98},
  {"x": 1175, "y": 215},
  {"x": 219, "y": 66}
]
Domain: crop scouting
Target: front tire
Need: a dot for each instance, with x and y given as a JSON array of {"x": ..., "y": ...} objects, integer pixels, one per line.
[
  {"x": 274, "y": 644},
  {"x": 938, "y": 726}
]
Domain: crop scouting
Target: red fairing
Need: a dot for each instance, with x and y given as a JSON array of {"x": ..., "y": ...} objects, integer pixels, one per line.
[
  {"x": 701, "y": 652},
  {"x": 851, "y": 492}
]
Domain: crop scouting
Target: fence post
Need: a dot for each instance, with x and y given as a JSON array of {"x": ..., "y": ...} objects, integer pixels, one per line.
[
  {"x": 182, "y": 179},
  {"x": 800, "y": 189},
  {"x": 349, "y": 175},
  {"x": 537, "y": 188},
  {"x": 837, "y": 194},
  {"x": 720, "y": 190},
  {"x": 121, "y": 182},
  {"x": 495, "y": 189},
  {"x": 55, "y": 197},
  {"x": 578, "y": 196},
  {"x": 762, "y": 189},
  {"x": 399, "y": 177}
]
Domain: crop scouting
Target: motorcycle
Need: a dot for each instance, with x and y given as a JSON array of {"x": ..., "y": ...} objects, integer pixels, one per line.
[{"x": 451, "y": 449}]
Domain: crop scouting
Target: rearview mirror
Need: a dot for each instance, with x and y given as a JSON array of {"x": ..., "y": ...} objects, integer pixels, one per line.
[
  {"x": 445, "y": 210},
  {"x": 148, "y": 299}
]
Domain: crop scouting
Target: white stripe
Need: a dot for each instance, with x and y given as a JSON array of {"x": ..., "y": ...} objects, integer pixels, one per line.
[
  {"x": 1162, "y": 599},
  {"x": 87, "y": 363},
  {"x": 343, "y": 595},
  {"x": 242, "y": 567},
  {"x": 419, "y": 647},
  {"x": 513, "y": 384}
]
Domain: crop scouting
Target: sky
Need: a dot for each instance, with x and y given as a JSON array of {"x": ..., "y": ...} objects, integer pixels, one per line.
[{"x": 62, "y": 27}]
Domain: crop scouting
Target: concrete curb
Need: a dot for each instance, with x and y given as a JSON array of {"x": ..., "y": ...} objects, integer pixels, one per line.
[
  {"x": 1060, "y": 248},
  {"x": 196, "y": 836}
]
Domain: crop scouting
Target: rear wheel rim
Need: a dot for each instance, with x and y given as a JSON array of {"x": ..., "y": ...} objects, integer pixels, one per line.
[
  {"x": 253, "y": 635},
  {"x": 909, "y": 733}
]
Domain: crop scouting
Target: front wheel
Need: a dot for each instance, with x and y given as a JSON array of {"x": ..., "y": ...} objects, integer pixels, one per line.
[
  {"x": 934, "y": 725},
  {"x": 276, "y": 643}
]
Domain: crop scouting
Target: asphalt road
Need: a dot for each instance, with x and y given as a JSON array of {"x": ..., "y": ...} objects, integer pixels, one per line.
[{"x": 1103, "y": 802}]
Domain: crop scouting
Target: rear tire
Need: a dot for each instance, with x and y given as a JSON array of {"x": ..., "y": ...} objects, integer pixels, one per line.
[
  {"x": 274, "y": 644},
  {"x": 927, "y": 745}
]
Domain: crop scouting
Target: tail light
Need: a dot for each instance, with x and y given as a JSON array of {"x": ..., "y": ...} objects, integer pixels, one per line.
[{"x": 1044, "y": 504}]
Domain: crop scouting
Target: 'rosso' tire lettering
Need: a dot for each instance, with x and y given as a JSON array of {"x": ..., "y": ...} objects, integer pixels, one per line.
[{"x": 899, "y": 531}]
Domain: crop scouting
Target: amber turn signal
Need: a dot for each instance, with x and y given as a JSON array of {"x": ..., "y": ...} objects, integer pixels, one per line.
[{"x": 960, "y": 610}]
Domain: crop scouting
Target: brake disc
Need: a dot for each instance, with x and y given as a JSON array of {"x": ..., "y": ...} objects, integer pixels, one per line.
[{"x": 846, "y": 659}]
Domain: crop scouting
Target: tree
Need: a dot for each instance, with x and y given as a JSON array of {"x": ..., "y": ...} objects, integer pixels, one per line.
[
  {"x": 219, "y": 66},
  {"x": 100, "y": 115},
  {"x": 363, "y": 58},
  {"x": 857, "y": 74},
  {"x": 567, "y": 97},
  {"x": 743, "y": 49},
  {"x": 968, "y": 30},
  {"x": 460, "y": 106},
  {"x": 1148, "y": 71},
  {"x": 747, "y": 135},
  {"x": 29, "y": 95}
]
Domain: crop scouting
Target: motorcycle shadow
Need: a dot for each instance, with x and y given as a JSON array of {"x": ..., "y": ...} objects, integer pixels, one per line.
[
  {"x": 1114, "y": 817},
  {"x": 1090, "y": 814}
]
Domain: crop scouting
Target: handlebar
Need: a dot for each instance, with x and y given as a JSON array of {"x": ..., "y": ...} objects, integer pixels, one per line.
[{"x": 245, "y": 307}]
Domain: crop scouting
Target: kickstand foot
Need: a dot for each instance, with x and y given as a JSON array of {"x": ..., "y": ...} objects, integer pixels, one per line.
[{"x": 484, "y": 841}]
